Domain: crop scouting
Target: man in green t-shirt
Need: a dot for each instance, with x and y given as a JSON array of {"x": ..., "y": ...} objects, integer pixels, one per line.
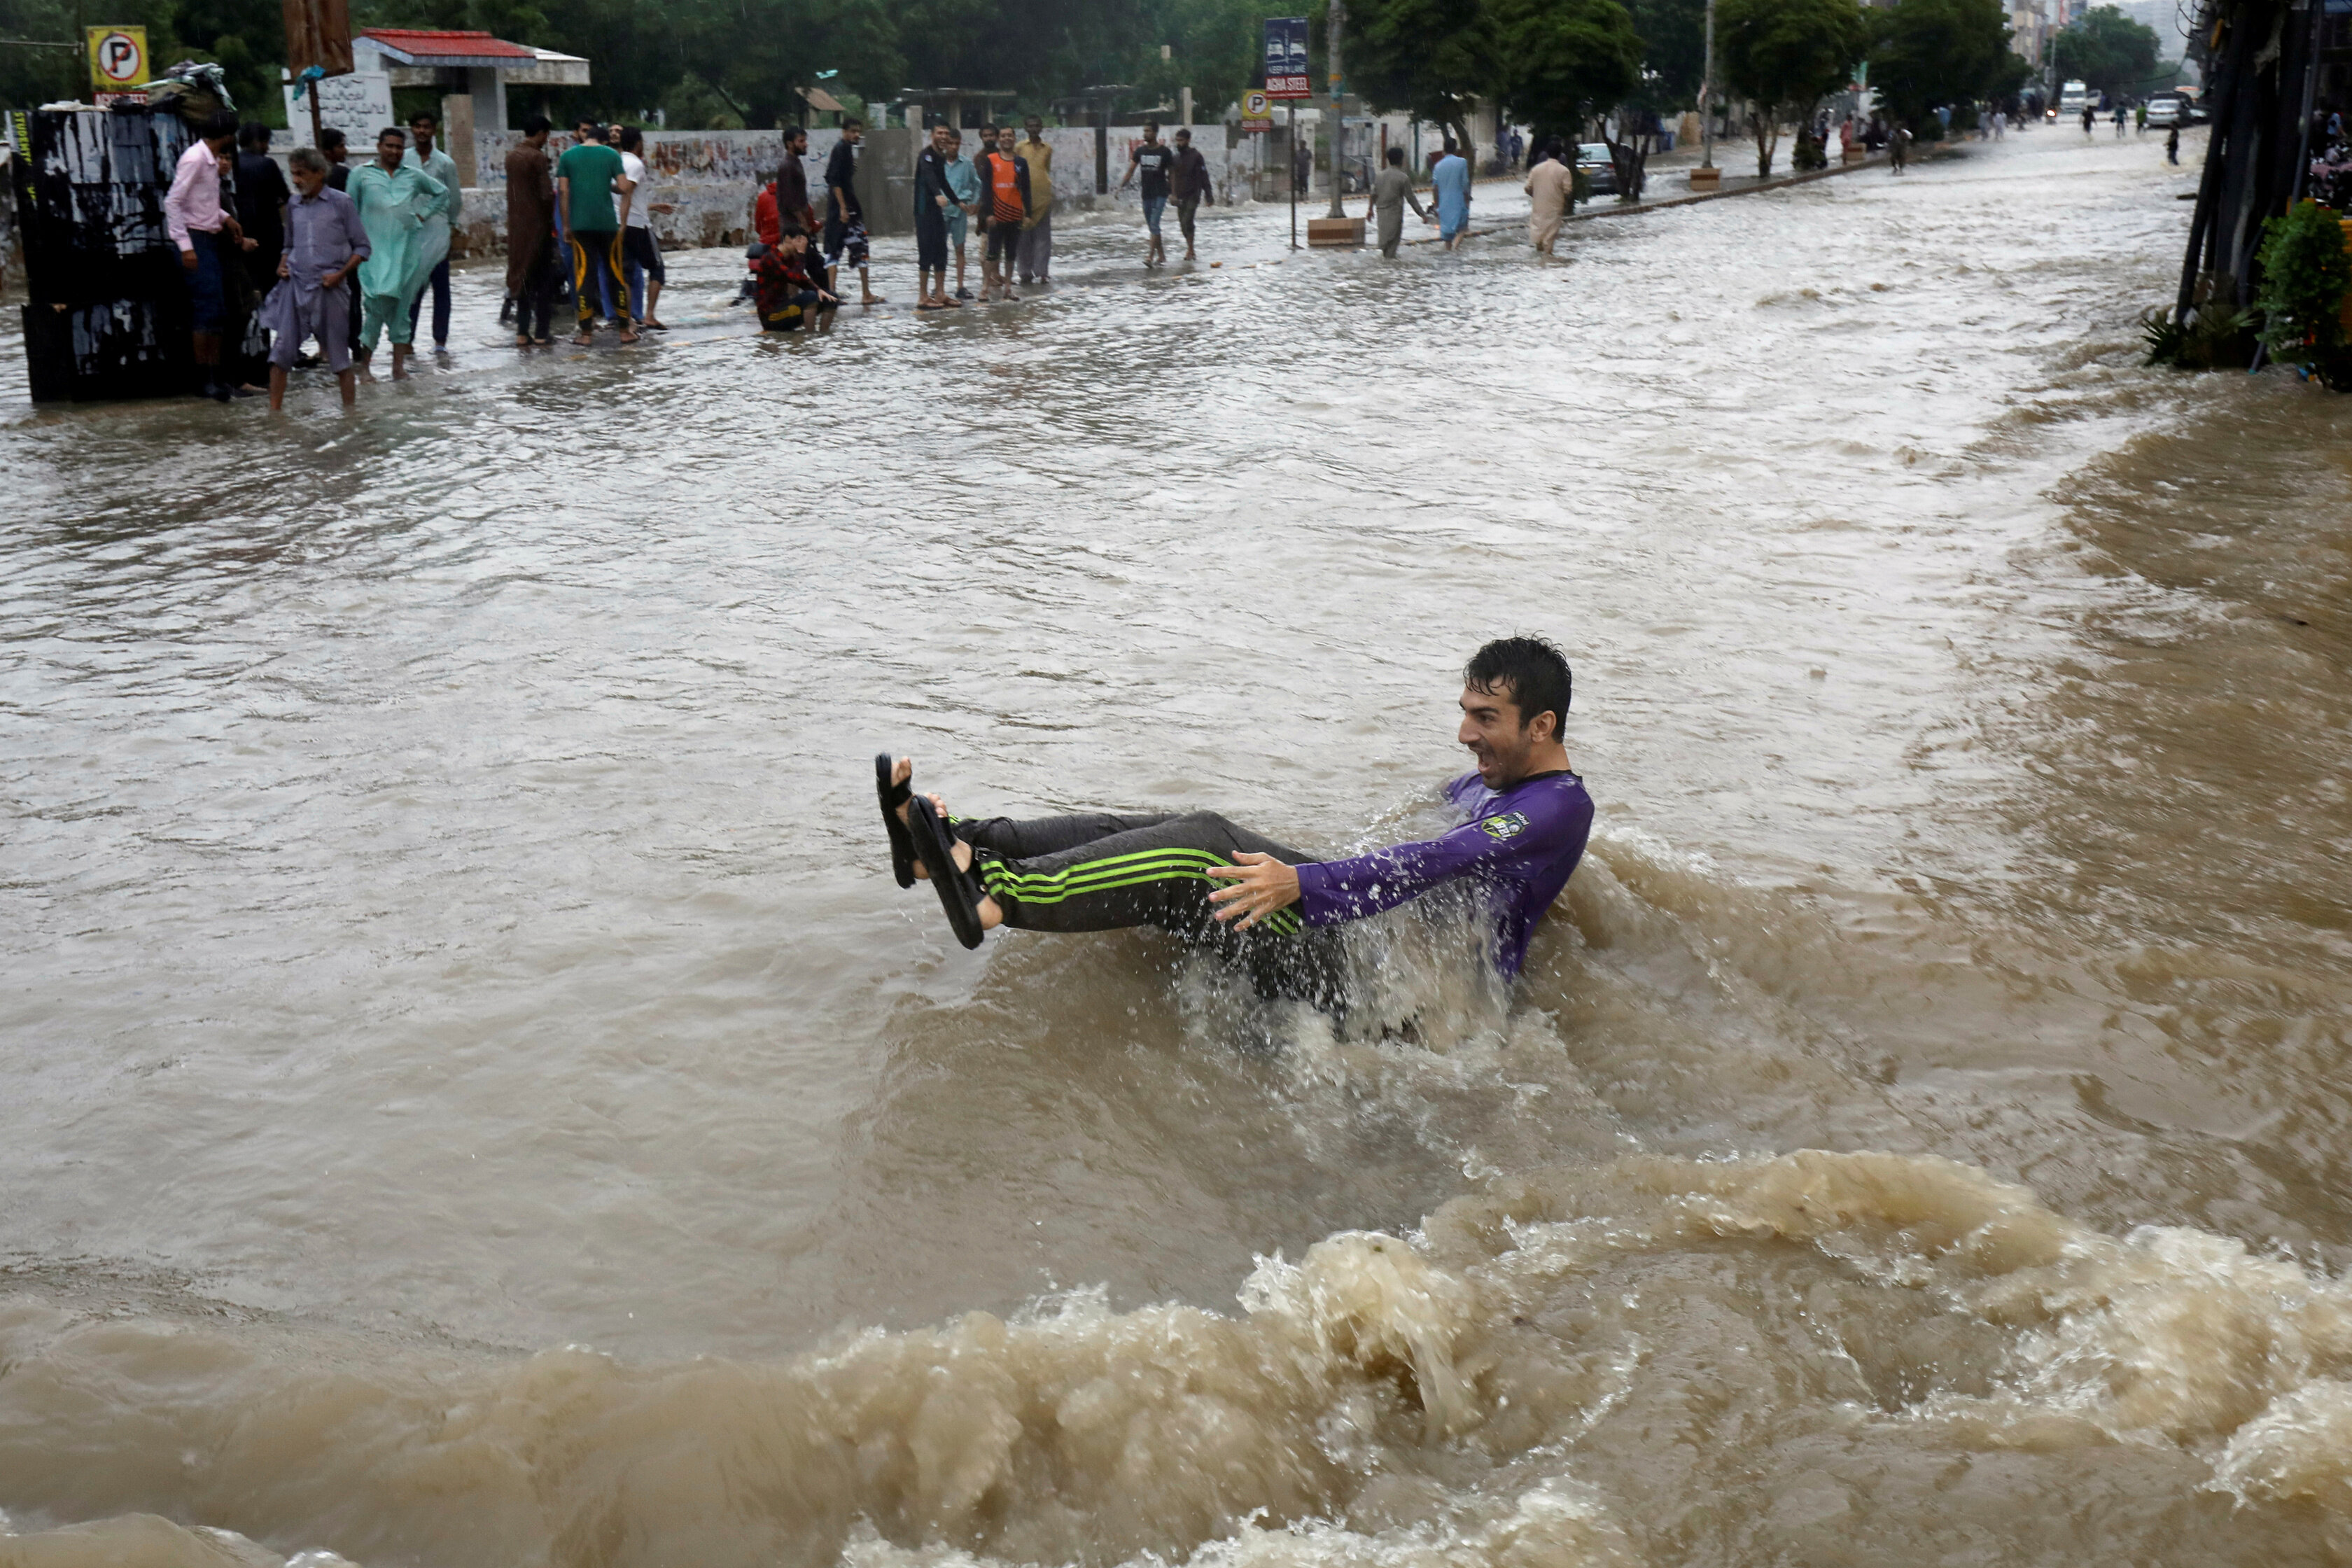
[{"x": 587, "y": 178}]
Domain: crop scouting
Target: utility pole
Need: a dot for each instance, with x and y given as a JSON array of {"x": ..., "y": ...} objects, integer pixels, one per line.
[
  {"x": 1707, "y": 96},
  {"x": 1334, "y": 25}
]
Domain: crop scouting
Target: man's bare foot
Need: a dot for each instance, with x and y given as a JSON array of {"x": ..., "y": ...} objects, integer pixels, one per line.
[{"x": 585, "y": 339}]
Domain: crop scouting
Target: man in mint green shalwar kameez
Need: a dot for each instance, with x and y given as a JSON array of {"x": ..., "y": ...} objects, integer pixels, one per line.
[{"x": 394, "y": 199}]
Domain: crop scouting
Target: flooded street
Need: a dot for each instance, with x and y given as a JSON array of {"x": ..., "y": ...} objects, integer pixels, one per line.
[{"x": 477, "y": 1096}]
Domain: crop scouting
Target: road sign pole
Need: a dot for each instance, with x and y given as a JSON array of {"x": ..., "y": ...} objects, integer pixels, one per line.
[
  {"x": 318, "y": 128},
  {"x": 1290, "y": 175}
]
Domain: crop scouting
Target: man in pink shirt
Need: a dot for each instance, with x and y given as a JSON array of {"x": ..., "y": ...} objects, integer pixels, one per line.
[{"x": 192, "y": 214}]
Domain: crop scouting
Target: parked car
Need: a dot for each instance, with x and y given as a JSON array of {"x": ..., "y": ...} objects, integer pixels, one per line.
[
  {"x": 2167, "y": 109},
  {"x": 1594, "y": 162}
]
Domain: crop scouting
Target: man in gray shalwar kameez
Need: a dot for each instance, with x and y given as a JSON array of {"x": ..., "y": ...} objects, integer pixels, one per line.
[
  {"x": 325, "y": 243},
  {"x": 1392, "y": 191}
]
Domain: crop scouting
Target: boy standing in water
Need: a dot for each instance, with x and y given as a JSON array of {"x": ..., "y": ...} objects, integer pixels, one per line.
[
  {"x": 1523, "y": 816},
  {"x": 1037, "y": 228},
  {"x": 845, "y": 219},
  {"x": 963, "y": 184},
  {"x": 1004, "y": 198},
  {"x": 932, "y": 200},
  {"x": 587, "y": 179},
  {"x": 1152, "y": 159}
]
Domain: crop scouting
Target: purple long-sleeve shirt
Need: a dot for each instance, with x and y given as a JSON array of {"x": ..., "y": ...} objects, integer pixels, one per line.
[
  {"x": 1520, "y": 844},
  {"x": 322, "y": 232}
]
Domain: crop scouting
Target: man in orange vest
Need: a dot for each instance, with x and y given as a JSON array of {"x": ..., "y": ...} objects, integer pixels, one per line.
[{"x": 1004, "y": 203}]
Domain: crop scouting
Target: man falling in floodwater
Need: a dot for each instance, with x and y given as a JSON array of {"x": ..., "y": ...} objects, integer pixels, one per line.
[{"x": 1525, "y": 817}]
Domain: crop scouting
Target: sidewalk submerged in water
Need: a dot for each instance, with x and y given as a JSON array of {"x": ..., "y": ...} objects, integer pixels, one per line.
[{"x": 1680, "y": 195}]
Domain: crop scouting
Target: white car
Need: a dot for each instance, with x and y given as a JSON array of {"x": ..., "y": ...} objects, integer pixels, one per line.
[{"x": 2165, "y": 109}]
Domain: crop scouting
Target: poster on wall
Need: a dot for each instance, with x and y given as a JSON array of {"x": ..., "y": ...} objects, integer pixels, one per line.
[{"x": 359, "y": 105}]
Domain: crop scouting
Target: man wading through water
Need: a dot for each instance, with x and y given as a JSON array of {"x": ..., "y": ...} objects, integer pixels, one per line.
[
  {"x": 1151, "y": 158},
  {"x": 844, "y": 220},
  {"x": 1523, "y": 820},
  {"x": 1391, "y": 193},
  {"x": 1188, "y": 182}
]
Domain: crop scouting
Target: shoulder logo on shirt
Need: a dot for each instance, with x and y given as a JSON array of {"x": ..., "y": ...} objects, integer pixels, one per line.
[{"x": 1510, "y": 825}]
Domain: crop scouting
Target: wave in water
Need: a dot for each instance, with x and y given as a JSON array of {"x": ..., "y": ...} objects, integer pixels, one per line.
[{"x": 1647, "y": 1359}]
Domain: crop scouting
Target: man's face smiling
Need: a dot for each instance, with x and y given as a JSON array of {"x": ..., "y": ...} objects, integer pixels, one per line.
[{"x": 1491, "y": 729}]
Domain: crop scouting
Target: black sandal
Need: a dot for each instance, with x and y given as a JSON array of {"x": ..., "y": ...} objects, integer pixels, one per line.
[
  {"x": 934, "y": 847},
  {"x": 902, "y": 849}
]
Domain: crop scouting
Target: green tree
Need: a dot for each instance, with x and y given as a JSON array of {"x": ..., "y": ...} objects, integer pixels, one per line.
[
  {"x": 2306, "y": 275},
  {"x": 2107, "y": 50},
  {"x": 1566, "y": 61},
  {"x": 1674, "y": 51},
  {"x": 1428, "y": 58},
  {"x": 757, "y": 73},
  {"x": 1784, "y": 57},
  {"x": 1927, "y": 52},
  {"x": 246, "y": 38}
]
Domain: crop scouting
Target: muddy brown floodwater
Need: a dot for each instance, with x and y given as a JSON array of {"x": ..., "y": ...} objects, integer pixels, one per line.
[{"x": 475, "y": 1096}]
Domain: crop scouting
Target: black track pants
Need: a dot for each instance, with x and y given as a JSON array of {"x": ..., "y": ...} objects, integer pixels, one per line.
[{"x": 1105, "y": 871}]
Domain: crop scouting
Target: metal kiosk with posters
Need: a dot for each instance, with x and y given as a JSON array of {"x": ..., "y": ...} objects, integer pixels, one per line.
[{"x": 108, "y": 314}]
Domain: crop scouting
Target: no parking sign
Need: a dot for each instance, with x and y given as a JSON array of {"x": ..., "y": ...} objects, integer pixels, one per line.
[{"x": 118, "y": 58}]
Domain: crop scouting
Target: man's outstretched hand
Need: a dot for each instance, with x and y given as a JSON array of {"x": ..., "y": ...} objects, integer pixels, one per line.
[{"x": 1261, "y": 885}]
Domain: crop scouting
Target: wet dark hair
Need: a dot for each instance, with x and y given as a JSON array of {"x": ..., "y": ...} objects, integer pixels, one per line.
[
  {"x": 253, "y": 136},
  {"x": 1396, "y": 155},
  {"x": 219, "y": 122},
  {"x": 425, "y": 117},
  {"x": 537, "y": 123},
  {"x": 632, "y": 139},
  {"x": 593, "y": 131},
  {"x": 792, "y": 130},
  {"x": 391, "y": 131},
  {"x": 851, "y": 122},
  {"x": 1530, "y": 671},
  {"x": 330, "y": 137}
]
